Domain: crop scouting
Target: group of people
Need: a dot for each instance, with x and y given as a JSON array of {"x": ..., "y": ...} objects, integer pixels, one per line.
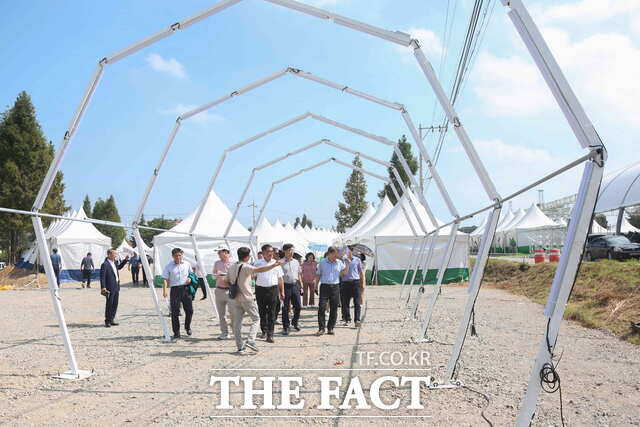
[
  {"x": 283, "y": 285},
  {"x": 280, "y": 281}
]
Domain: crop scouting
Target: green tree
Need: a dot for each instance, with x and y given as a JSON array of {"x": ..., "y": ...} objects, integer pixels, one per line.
[
  {"x": 354, "y": 204},
  {"x": 405, "y": 149},
  {"x": 602, "y": 220},
  {"x": 86, "y": 205},
  {"x": 304, "y": 221},
  {"x": 161, "y": 222},
  {"x": 107, "y": 210},
  {"x": 297, "y": 222},
  {"x": 25, "y": 156}
]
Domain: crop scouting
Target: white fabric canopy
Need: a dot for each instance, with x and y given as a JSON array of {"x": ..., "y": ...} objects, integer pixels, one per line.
[
  {"x": 213, "y": 222},
  {"x": 382, "y": 211},
  {"x": 620, "y": 189},
  {"x": 125, "y": 249},
  {"x": 626, "y": 227},
  {"x": 364, "y": 218}
]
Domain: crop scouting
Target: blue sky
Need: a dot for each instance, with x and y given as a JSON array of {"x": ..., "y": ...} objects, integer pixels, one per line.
[{"x": 50, "y": 50}]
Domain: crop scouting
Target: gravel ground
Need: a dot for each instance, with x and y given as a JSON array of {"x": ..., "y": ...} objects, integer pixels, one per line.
[{"x": 138, "y": 379}]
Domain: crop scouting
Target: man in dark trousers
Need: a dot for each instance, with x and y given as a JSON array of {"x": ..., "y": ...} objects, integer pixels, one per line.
[
  {"x": 110, "y": 285},
  {"x": 292, "y": 277},
  {"x": 134, "y": 263},
  {"x": 56, "y": 261},
  {"x": 176, "y": 276},
  {"x": 87, "y": 267}
]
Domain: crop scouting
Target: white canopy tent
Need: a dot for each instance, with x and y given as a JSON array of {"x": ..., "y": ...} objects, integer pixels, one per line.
[
  {"x": 364, "y": 218},
  {"x": 124, "y": 249},
  {"x": 214, "y": 219},
  {"x": 74, "y": 240},
  {"x": 363, "y": 234},
  {"x": 626, "y": 227},
  {"x": 393, "y": 241},
  {"x": 536, "y": 229},
  {"x": 620, "y": 189}
]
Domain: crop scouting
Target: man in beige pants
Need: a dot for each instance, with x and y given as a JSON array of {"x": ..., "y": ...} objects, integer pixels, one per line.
[
  {"x": 221, "y": 292},
  {"x": 244, "y": 301}
]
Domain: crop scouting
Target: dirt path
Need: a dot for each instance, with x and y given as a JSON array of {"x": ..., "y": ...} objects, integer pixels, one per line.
[{"x": 141, "y": 380}]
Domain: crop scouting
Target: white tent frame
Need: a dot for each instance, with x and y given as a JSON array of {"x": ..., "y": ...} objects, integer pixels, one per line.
[
  {"x": 343, "y": 88},
  {"x": 562, "y": 92}
]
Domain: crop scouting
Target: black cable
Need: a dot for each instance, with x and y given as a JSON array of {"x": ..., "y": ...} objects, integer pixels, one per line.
[
  {"x": 474, "y": 333},
  {"x": 482, "y": 414}
]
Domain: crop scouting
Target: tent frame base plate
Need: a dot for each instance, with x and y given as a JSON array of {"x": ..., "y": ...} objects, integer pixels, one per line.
[
  {"x": 448, "y": 385},
  {"x": 421, "y": 340},
  {"x": 70, "y": 375}
]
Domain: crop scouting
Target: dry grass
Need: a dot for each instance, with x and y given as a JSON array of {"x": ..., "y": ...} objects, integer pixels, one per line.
[
  {"x": 15, "y": 278},
  {"x": 606, "y": 293}
]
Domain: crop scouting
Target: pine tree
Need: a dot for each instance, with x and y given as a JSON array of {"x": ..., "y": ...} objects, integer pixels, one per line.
[
  {"x": 602, "y": 220},
  {"x": 405, "y": 149},
  {"x": 25, "y": 156},
  {"x": 304, "y": 221},
  {"x": 86, "y": 205},
  {"x": 297, "y": 222},
  {"x": 354, "y": 193},
  {"x": 107, "y": 210}
]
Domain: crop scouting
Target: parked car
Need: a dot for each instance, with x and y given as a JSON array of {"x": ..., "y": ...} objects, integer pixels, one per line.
[{"x": 611, "y": 247}]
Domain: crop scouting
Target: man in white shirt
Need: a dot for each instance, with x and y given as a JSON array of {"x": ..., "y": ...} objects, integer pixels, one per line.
[
  {"x": 176, "y": 275},
  {"x": 269, "y": 290}
]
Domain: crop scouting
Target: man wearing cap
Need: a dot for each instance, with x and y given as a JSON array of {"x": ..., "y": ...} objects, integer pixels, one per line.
[
  {"x": 220, "y": 269},
  {"x": 330, "y": 269},
  {"x": 292, "y": 277}
]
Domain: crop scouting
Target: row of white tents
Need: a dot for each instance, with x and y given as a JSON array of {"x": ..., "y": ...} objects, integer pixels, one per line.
[
  {"x": 389, "y": 231},
  {"x": 213, "y": 221}
]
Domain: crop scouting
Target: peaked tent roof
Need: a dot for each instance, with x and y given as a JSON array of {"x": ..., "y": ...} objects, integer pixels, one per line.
[
  {"x": 213, "y": 222},
  {"x": 505, "y": 220},
  {"x": 480, "y": 229},
  {"x": 518, "y": 215},
  {"x": 364, "y": 218},
  {"x": 126, "y": 249},
  {"x": 597, "y": 228},
  {"x": 384, "y": 207},
  {"x": 535, "y": 218},
  {"x": 80, "y": 232}
]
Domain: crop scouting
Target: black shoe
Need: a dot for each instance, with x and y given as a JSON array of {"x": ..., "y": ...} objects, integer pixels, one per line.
[
  {"x": 320, "y": 332},
  {"x": 330, "y": 332},
  {"x": 204, "y": 297},
  {"x": 176, "y": 337},
  {"x": 114, "y": 324},
  {"x": 88, "y": 286},
  {"x": 270, "y": 339},
  {"x": 285, "y": 332},
  {"x": 262, "y": 335},
  {"x": 296, "y": 327},
  {"x": 189, "y": 332},
  {"x": 107, "y": 324}
]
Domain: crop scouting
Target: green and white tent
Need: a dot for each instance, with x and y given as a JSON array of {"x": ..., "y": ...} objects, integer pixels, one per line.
[{"x": 394, "y": 242}]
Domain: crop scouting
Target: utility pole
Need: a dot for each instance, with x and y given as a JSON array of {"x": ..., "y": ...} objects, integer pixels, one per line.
[{"x": 253, "y": 207}]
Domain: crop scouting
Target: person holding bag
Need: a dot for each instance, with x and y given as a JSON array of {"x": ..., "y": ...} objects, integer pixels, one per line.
[{"x": 242, "y": 300}]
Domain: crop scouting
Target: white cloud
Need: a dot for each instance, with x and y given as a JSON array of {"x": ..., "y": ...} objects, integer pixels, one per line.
[
  {"x": 516, "y": 155},
  {"x": 429, "y": 41},
  {"x": 585, "y": 11},
  {"x": 200, "y": 118},
  {"x": 169, "y": 66},
  {"x": 510, "y": 86},
  {"x": 603, "y": 69}
]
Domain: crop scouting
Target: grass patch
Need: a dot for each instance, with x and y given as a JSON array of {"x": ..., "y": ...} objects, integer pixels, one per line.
[{"x": 606, "y": 294}]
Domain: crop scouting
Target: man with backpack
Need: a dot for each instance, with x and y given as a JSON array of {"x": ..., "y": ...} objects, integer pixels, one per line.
[{"x": 241, "y": 299}]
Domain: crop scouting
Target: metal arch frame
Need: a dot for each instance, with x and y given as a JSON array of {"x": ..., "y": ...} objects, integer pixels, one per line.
[
  {"x": 392, "y": 36},
  {"x": 340, "y": 147},
  {"x": 568, "y": 102},
  {"x": 311, "y": 167}
]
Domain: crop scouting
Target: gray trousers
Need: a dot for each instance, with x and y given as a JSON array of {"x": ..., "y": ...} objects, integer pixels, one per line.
[
  {"x": 238, "y": 309},
  {"x": 224, "y": 312}
]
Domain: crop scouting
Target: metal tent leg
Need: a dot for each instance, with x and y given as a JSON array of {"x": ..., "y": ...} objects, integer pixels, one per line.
[
  {"x": 446, "y": 258},
  {"x": 150, "y": 279},
  {"x": 200, "y": 262},
  {"x": 563, "y": 282},
  {"x": 73, "y": 373}
]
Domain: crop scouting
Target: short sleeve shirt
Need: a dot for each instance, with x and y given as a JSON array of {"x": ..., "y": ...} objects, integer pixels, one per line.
[
  {"x": 176, "y": 274},
  {"x": 309, "y": 271},
  {"x": 291, "y": 270},
  {"x": 329, "y": 272},
  {"x": 268, "y": 278},
  {"x": 355, "y": 267},
  {"x": 244, "y": 281}
]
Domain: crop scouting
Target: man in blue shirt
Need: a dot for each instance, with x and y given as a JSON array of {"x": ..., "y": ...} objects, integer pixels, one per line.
[
  {"x": 56, "y": 261},
  {"x": 330, "y": 269},
  {"x": 135, "y": 262},
  {"x": 351, "y": 286}
]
